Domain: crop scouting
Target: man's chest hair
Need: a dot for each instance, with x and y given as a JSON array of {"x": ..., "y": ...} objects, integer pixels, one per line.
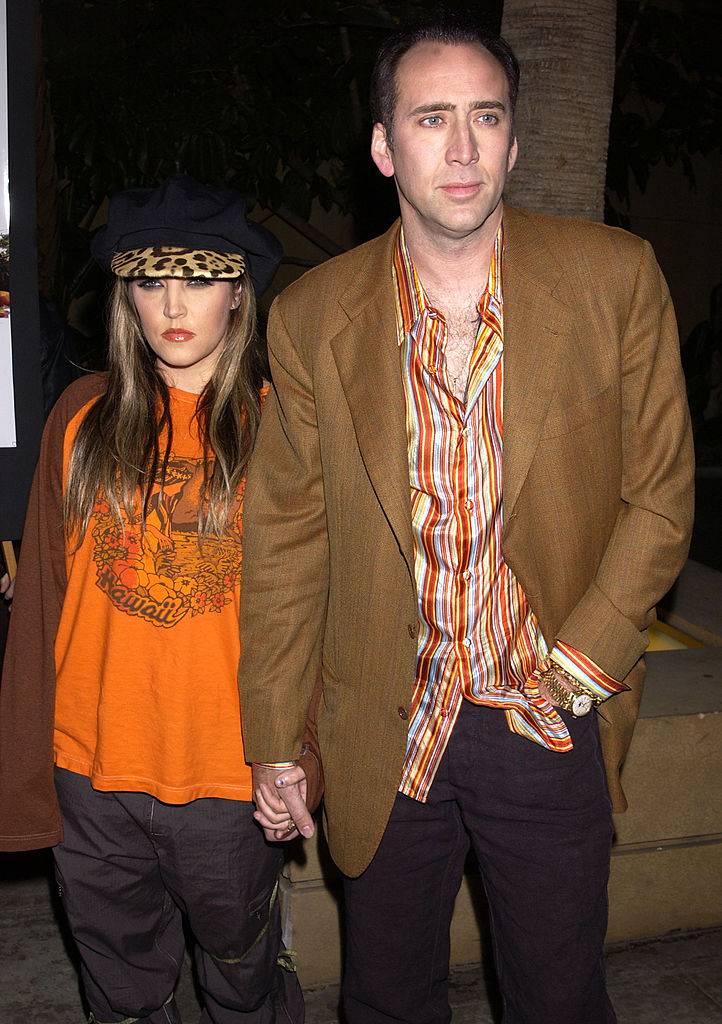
[{"x": 462, "y": 326}]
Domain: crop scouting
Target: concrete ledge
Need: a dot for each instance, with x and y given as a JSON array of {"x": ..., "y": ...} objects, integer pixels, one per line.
[
  {"x": 683, "y": 682},
  {"x": 313, "y": 929},
  {"x": 694, "y": 602},
  {"x": 671, "y": 887},
  {"x": 673, "y": 779}
]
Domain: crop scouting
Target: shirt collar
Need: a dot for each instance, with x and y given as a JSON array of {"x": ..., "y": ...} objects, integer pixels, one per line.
[{"x": 411, "y": 300}]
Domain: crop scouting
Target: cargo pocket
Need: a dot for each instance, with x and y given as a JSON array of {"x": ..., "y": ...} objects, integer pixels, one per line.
[
  {"x": 247, "y": 975},
  {"x": 260, "y": 915}
]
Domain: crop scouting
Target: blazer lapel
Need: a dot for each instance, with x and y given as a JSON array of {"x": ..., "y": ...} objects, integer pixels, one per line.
[
  {"x": 369, "y": 365},
  {"x": 537, "y": 329}
]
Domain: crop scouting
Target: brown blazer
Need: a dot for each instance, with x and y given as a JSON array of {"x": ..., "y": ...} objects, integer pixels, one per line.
[{"x": 598, "y": 477}]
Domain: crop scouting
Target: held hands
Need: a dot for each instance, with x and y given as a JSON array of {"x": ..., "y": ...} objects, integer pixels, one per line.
[
  {"x": 287, "y": 797},
  {"x": 280, "y": 795}
]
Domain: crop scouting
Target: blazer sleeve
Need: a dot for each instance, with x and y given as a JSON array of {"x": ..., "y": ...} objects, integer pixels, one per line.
[
  {"x": 650, "y": 539},
  {"x": 29, "y": 816},
  {"x": 285, "y": 573}
]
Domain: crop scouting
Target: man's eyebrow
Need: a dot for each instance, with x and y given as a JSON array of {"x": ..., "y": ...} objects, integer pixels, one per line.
[
  {"x": 432, "y": 108},
  {"x": 487, "y": 105}
]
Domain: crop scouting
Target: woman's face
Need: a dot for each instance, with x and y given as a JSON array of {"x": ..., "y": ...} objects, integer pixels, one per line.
[{"x": 184, "y": 321}]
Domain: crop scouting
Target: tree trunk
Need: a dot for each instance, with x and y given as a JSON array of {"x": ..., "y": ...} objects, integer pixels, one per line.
[{"x": 566, "y": 52}]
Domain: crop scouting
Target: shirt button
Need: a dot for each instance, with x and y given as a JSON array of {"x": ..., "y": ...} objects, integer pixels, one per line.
[
  {"x": 466, "y": 641},
  {"x": 444, "y": 713},
  {"x": 466, "y": 574},
  {"x": 402, "y": 713},
  {"x": 465, "y": 431},
  {"x": 468, "y": 505}
]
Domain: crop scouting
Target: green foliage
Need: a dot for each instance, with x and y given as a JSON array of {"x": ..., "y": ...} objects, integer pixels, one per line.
[
  {"x": 668, "y": 92},
  {"x": 271, "y": 99},
  {"x": 267, "y": 97}
]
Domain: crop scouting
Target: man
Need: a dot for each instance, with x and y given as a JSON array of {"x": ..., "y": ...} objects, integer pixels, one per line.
[{"x": 472, "y": 484}]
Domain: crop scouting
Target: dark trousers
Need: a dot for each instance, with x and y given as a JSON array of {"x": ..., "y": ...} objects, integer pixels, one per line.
[
  {"x": 540, "y": 825},
  {"x": 130, "y": 866}
]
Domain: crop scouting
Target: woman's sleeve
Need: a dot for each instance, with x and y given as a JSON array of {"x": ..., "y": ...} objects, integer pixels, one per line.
[{"x": 29, "y": 815}]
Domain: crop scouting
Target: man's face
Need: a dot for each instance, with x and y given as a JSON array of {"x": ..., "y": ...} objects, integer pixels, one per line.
[{"x": 451, "y": 147}]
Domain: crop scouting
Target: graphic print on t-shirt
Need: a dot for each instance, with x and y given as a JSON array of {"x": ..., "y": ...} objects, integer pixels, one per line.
[{"x": 161, "y": 573}]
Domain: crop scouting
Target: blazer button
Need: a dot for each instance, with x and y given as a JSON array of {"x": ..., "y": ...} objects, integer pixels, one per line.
[
  {"x": 412, "y": 631},
  {"x": 403, "y": 714}
]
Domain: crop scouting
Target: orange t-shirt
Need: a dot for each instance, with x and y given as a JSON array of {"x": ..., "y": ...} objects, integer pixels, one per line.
[{"x": 147, "y": 647}]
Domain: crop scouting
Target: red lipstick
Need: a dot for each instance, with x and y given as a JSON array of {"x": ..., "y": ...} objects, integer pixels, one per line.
[{"x": 175, "y": 334}]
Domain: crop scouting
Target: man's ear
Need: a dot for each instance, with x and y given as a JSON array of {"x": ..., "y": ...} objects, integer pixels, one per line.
[
  {"x": 513, "y": 154},
  {"x": 381, "y": 153}
]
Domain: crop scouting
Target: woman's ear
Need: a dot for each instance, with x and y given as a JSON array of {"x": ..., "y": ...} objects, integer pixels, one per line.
[{"x": 236, "y": 296}]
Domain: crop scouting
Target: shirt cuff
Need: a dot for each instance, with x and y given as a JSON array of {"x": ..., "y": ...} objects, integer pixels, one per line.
[{"x": 589, "y": 675}]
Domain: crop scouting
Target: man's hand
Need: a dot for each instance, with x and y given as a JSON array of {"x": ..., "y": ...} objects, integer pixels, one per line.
[{"x": 280, "y": 797}]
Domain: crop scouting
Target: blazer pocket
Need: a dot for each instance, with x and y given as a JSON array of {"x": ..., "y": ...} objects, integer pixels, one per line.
[{"x": 572, "y": 417}]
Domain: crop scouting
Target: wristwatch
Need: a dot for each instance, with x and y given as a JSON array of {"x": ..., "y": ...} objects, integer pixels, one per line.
[{"x": 578, "y": 702}]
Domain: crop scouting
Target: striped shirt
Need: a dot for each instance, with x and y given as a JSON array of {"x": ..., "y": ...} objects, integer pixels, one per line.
[{"x": 478, "y": 637}]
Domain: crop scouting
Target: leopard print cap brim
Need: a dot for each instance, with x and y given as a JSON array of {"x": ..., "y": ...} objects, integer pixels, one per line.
[{"x": 171, "y": 261}]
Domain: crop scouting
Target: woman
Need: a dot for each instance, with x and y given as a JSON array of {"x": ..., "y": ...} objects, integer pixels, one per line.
[{"x": 122, "y": 660}]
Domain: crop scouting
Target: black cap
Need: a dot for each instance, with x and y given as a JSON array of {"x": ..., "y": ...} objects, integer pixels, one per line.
[{"x": 184, "y": 215}]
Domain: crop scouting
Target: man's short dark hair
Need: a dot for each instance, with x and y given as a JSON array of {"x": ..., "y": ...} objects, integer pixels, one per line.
[{"x": 451, "y": 29}]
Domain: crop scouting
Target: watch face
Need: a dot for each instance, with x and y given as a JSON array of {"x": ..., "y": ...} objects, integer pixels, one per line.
[{"x": 581, "y": 705}]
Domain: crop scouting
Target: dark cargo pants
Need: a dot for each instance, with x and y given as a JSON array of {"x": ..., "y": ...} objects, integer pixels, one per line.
[{"x": 130, "y": 866}]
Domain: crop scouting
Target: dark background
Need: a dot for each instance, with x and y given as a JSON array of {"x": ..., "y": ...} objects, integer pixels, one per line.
[
  {"x": 17, "y": 464},
  {"x": 271, "y": 99}
]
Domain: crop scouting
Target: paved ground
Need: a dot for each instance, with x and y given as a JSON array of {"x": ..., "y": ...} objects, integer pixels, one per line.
[{"x": 677, "y": 979}]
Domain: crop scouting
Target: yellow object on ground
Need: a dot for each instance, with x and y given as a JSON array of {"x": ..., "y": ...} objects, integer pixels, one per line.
[{"x": 663, "y": 637}]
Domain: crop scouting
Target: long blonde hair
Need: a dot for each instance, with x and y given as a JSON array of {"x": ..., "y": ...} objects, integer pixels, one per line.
[{"x": 116, "y": 451}]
